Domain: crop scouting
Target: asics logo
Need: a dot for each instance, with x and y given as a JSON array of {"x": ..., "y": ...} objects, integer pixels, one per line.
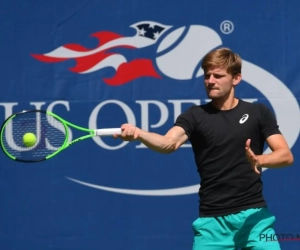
[{"x": 244, "y": 118}]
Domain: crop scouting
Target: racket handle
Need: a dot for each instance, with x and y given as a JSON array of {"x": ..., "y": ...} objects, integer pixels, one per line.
[{"x": 108, "y": 131}]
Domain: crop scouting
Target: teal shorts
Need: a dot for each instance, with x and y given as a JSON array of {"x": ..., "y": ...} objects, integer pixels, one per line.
[{"x": 245, "y": 230}]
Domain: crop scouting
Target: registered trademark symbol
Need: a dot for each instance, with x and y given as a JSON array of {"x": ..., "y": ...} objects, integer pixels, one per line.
[{"x": 226, "y": 27}]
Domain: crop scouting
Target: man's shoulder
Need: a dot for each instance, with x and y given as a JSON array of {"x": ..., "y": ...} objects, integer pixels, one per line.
[{"x": 254, "y": 105}]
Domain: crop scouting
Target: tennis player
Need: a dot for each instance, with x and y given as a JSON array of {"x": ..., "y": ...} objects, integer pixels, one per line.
[{"x": 227, "y": 136}]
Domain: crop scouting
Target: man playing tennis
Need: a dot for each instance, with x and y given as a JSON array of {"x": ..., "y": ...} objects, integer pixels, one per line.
[{"x": 227, "y": 137}]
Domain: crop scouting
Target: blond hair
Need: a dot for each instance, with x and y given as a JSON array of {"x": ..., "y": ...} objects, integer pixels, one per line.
[{"x": 223, "y": 57}]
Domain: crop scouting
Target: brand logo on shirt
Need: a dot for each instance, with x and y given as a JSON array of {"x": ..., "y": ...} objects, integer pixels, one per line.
[{"x": 244, "y": 118}]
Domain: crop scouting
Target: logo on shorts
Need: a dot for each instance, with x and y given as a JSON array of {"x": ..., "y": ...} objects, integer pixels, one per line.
[{"x": 244, "y": 118}]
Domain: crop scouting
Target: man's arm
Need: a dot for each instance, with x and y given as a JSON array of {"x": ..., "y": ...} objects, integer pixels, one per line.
[
  {"x": 280, "y": 156},
  {"x": 165, "y": 144}
]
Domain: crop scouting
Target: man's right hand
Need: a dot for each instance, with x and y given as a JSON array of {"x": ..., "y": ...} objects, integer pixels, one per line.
[{"x": 129, "y": 132}]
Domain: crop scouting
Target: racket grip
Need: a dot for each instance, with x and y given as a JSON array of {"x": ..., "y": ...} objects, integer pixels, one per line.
[{"x": 108, "y": 131}]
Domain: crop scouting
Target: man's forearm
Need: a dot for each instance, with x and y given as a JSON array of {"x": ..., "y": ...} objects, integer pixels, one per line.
[
  {"x": 276, "y": 159},
  {"x": 158, "y": 143}
]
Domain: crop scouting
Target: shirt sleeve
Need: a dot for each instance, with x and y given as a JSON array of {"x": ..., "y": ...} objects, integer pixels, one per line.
[
  {"x": 268, "y": 123},
  {"x": 186, "y": 121}
]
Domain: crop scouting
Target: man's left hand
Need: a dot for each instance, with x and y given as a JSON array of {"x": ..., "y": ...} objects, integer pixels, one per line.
[{"x": 252, "y": 158}]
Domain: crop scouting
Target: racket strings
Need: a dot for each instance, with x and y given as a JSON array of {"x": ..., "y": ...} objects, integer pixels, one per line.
[{"x": 50, "y": 135}]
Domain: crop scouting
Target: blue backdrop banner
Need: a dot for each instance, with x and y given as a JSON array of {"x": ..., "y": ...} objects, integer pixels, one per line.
[{"x": 103, "y": 63}]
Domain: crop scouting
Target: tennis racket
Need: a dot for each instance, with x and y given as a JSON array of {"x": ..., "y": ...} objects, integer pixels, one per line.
[{"x": 49, "y": 134}]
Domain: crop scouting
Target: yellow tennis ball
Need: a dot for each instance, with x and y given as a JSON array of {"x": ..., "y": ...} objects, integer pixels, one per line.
[{"x": 29, "y": 139}]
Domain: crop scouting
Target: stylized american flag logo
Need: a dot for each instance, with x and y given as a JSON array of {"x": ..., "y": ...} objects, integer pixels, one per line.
[{"x": 91, "y": 60}]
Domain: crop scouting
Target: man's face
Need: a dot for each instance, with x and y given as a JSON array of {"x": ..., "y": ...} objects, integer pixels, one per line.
[{"x": 219, "y": 83}]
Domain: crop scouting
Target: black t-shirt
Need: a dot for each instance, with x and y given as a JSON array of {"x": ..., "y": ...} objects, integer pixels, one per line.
[{"x": 218, "y": 137}]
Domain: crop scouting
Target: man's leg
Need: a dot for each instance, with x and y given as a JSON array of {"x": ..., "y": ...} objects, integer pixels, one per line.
[
  {"x": 258, "y": 230},
  {"x": 212, "y": 233}
]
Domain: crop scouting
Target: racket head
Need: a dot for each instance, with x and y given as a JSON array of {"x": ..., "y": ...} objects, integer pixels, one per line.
[{"x": 50, "y": 130}]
